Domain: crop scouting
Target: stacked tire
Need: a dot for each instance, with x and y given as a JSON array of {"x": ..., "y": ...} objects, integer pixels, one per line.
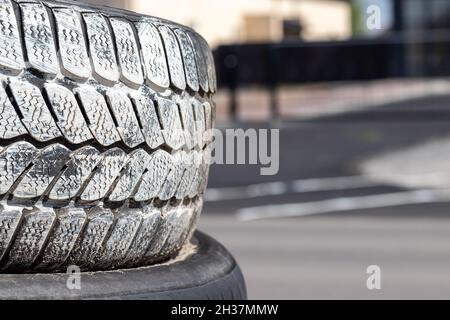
[{"x": 105, "y": 120}]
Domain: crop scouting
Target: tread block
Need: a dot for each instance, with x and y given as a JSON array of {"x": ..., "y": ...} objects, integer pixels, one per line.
[
  {"x": 207, "y": 109},
  {"x": 153, "y": 55},
  {"x": 148, "y": 116},
  {"x": 30, "y": 239},
  {"x": 80, "y": 166},
  {"x": 210, "y": 66},
  {"x": 201, "y": 62},
  {"x": 127, "y": 51},
  {"x": 89, "y": 247},
  {"x": 121, "y": 237},
  {"x": 46, "y": 166},
  {"x": 188, "y": 119},
  {"x": 151, "y": 219},
  {"x": 69, "y": 224},
  {"x": 204, "y": 173},
  {"x": 197, "y": 180},
  {"x": 152, "y": 253},
  {"x": 103, "y": 178},
  {"x": 13, "y": 161},
  {"x": 36, "y": 115},
  {"x": 9, "y": 221},
  {"x": 101, "y": 47},
  {"x": 179, "y": 225},
  {"x": 190, "y": 66},
  {"x": 174, "y": 177},
  {"x": 100, "y": 120},
  {"x": 130, "y": 176},
  {"x": 72, "y": 43},
  {"x": 171, "y": 122},
  {"x": 10, "y": 124},
  {"x": 191, "y": 163},
  {"x": 39, "y": 41},
  {"x": 128, "y": 125},
  {"x": 158, "y": 168},
  {"x": 11, "y": 55},
  {"x": 70, "y": 119},
  {"x": 174, "y": 59},
  {"x": 200, "y": 122}
]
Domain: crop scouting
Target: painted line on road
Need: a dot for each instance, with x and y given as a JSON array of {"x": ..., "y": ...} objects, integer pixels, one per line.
[
  {"x": 283, "y": 187},
  {"x": 344, "y": 204}
]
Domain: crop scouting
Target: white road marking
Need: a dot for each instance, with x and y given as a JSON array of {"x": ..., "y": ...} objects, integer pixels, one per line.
[
  {"x": 344, "y": 204},
  {"x": 296, "y": 186}
]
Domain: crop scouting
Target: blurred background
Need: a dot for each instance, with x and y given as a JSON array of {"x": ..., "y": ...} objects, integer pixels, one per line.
[{"x": 360, "y": 92}]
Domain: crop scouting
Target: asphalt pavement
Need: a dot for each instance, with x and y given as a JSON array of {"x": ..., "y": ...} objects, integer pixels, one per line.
[{"x": 325, "y": 250}]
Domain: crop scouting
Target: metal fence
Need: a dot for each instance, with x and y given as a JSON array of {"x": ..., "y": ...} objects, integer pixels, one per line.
[{"x": 271, "y": 65}]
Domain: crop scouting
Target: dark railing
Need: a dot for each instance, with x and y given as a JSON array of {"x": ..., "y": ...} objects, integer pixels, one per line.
[{"x": 272, "y": 65}]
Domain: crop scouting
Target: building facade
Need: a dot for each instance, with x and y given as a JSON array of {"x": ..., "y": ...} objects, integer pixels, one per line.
[{"x": 421, "y": 26}]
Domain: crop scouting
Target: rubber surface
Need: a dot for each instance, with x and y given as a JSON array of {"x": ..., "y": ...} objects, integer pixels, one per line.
[
  {"x": 79, "y": 80},
  {"x": 97, "y": 238},
  {"x": 210, "y": 272},
  {"x": 105, "y": 119}
]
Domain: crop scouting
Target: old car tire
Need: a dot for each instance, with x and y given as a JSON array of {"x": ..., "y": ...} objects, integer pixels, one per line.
[
  {"x": 104, "y": 136},
  {"x": 209, "y": 272}
]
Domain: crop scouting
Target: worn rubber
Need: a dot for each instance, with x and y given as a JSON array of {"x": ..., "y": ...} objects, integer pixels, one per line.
[
  {"x": 206, "y": 272},
  {"x": 105, "y": 116}
]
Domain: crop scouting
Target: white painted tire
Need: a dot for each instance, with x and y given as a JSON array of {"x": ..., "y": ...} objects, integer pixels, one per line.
[{"x": 104, "y": 144}]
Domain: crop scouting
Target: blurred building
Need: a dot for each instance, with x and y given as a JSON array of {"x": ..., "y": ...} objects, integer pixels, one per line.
[
  {"x": 237, "y": 21},
  {"x": 403, "y": 15},
  {"x": 364, "y": 10},
  {"x": 422, "y": 25}
]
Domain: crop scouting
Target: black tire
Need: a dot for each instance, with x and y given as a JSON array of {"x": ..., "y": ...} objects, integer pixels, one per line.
[
  {"x": 104, "y": 136},
  {"x": 208, "y": 273}
]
